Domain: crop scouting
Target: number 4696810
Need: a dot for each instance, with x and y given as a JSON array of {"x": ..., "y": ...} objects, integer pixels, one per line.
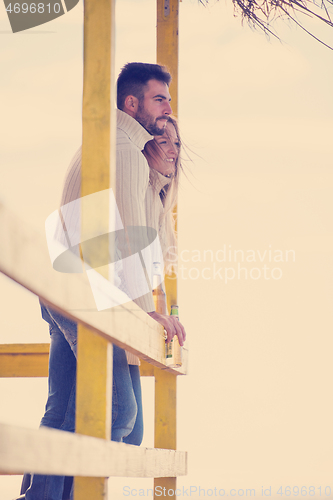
[
  {"x": 303, "y": 491},
  {"x": 33, "y": 8}
]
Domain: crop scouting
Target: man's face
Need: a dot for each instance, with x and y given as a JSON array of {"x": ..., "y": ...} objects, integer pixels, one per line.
[{"x": 154, "y": 109}]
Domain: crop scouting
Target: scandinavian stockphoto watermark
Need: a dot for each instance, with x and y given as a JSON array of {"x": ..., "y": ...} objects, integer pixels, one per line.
[
  {"x": 133, "y": 254},
  {"x": 227, "y": 263},
  {"x": 196, "y": 491},
  {"x": 26, "y": 14},
  {"x": 188, "y": 491}
]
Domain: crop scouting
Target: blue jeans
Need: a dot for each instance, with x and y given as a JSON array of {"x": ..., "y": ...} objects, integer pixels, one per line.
[{"x": 127, "y": 419}]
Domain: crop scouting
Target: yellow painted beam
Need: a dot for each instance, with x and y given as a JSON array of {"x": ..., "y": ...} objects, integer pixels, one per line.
[
  {"x": 24, "y": 360},
  {"x": 94, "y": 366},
  {"x": 90, "y": 487},
  {"x": 146, "y": 369},
  {"x": 168, "y": 43},
  {"x": 165, "y": 409},
  {"x": 24, "y": 349},
  {"x": 96, "y": 107},
  {"x": 168, "y": 55},
  {"x": 96, "y": 110},
  {"x": 94, "y": 385},
  {"x": 24, "y": 365},
  {"x": 165, "y": 383},
  {"x": 165, "y": 422},
  {"x": 93, "y": 402}
]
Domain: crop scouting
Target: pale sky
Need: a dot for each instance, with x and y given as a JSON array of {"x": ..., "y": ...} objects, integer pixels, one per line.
[{"x": 255, "y": 410}]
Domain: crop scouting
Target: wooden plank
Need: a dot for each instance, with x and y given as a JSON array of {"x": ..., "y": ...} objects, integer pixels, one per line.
[
  {"x": 146, "y": 369},
  {"x": 165, "y": 422},
  {"x": 24, "y": 360},
  {"x": 24, "y": 349},
  {"x": 32, "y": 360},
  {"x": 167, "y": 52},
  {"x": 165, "y": 409},
  {"x": 96, "y": 110},
  {"x": 165, "y": 383},
  {"x": 93, "y": 385},
  {"x": 50, "y": 451},
  {"x": 93, "y": 402},
  {"x": 25, "y": 365},
  {"x": 168, "y": 43},
  {"x": 24, "y": 258},
  {"x": 94, "y": 366},
  {"x": 96, "y": 113}
]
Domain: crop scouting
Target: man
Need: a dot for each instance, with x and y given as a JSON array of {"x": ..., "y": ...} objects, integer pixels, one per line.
[{"x": 143, "y": 102}]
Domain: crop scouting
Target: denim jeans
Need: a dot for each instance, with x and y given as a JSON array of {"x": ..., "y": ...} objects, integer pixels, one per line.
[{"x": 127, "y": 420}]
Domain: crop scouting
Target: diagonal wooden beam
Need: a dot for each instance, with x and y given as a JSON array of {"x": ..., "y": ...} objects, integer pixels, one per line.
[
  {"x": 50, "y": 451},
  {"x": 24, "y": 258}
]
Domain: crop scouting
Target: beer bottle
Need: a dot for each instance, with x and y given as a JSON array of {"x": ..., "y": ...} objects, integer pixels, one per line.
[{"x": 173, "y": 349}]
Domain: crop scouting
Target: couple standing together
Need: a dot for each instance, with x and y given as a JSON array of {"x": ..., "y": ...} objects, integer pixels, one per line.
[{"x": 147, "y": 176}]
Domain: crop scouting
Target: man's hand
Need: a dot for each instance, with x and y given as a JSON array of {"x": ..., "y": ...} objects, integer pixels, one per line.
[{"x": 172, "y": 326}]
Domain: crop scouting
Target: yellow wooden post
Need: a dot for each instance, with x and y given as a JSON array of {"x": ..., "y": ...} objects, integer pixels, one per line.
[
  {"x": 165, "y": 383},
  {"x": 167, "y": 43},
  {"x": 165, "y": 425},
  {"x": 167, "y": 55},
  {"x": 93, "y": 403},
  {"x": 94, "y": 366}
]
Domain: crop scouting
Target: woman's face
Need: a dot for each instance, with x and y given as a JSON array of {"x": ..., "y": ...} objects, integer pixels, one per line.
[{"x": 168, "y": 151}]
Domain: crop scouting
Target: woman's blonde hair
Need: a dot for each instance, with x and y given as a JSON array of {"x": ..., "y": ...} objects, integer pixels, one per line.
[{"x": 153, "y": 150}]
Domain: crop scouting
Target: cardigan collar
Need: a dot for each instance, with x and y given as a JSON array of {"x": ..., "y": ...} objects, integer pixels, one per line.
[
  {"x": 139, "y": 136},
  {"x": 135, "y": 131},
  {"x": 160, "y": 181}
]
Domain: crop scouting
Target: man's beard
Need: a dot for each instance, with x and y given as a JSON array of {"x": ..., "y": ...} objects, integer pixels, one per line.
[{"x": 148, "y": 122}]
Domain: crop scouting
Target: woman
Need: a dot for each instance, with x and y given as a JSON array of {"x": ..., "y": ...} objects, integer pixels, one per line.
[{"x": 163, "y": 158}]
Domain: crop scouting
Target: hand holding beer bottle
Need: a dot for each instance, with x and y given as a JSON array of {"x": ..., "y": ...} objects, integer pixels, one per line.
[
  {"x": 171, "y": 323},
  {"x": 174, "y": 350}
]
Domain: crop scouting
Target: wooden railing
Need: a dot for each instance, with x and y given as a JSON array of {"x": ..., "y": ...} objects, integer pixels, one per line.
[
  {"x": 89, "y": 455},
  {"x": 24, "y": 258}
]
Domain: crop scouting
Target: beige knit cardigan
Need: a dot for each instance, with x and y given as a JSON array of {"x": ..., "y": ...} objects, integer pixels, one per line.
[{"x": 139, "y": 202}]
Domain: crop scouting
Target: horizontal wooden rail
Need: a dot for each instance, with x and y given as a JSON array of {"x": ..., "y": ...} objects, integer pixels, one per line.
[
  {"x": 24, "y": 360},
  {"x": 32, "y": 360},
  {"x": 24, "y": 258},
  {"x": 49, "y": 451}
]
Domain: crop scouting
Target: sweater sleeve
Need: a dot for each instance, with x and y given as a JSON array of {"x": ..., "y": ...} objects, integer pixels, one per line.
[{"x": 132, "y": 179}]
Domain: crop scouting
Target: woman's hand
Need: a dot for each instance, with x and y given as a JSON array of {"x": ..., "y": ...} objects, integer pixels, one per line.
[{"x": 172, "y": 326}]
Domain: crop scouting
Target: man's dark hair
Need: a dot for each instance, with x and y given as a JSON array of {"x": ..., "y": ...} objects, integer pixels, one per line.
[{"x": 134, "y": 77}]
